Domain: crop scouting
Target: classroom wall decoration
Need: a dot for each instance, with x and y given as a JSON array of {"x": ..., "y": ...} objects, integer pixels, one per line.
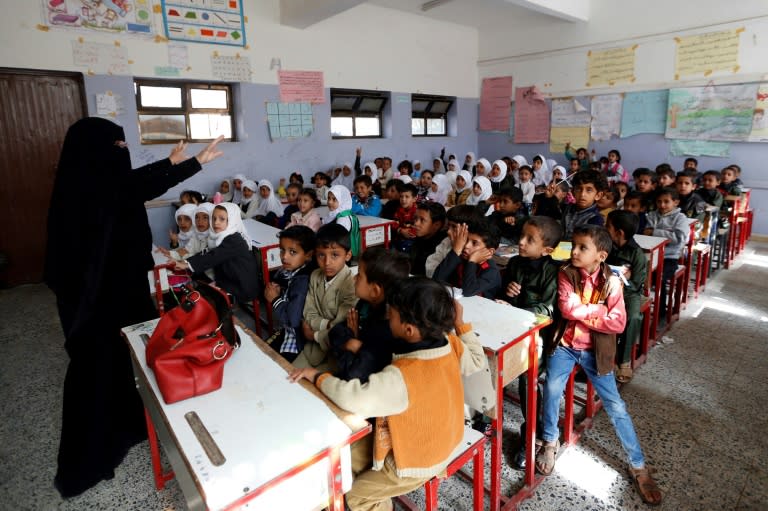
[
  {"x": 231, "y": 68},
  {"x": 205, "y": 21},
  {"x": 759, "y": 120},
  {"x": 606, "y": 116},
  {"x": 119, "y": 16},
  {"x": 495, "y": 96},
  {"x": 699, "y": 148},
  {"x": 289, "y": 120},
  {"x": 301, "y": 86},
  {"x": 569, "y": 123},
  {"x": 719, "y": 113},
  {"x": 531, "y": 116},
  {"x": 644, "y": 112},
  {"x": 704, "y": 54},
  {"x": 100, "y": 58},
  {"x": 609, "y": 67}
]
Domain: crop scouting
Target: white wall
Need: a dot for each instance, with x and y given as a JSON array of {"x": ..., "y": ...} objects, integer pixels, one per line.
[{"x": 365, "y": 47}]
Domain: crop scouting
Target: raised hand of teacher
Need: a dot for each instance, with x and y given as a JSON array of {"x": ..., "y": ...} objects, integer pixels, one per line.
[{"x": 210, "y": 152}]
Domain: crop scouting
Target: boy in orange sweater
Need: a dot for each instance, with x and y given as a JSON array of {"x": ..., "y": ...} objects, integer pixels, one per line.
[{"x": 417, "y": 400}]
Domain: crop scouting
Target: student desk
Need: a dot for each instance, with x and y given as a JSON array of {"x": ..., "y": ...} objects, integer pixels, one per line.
[
  {"x": 264, "y": 240},
  {"x": 373, "y": 230},
  {"x": 162, "y": 273},
  {"x": 653, "y": 246},
  {"x": 285, "y": 447},
  {"x": 508, "y": 335}
]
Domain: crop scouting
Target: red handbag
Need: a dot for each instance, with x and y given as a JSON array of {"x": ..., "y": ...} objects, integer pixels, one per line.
[{"x": 191, "y": 343}]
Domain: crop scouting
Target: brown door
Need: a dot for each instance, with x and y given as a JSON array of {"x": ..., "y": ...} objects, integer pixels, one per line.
[{"x": 36, "y": 108}]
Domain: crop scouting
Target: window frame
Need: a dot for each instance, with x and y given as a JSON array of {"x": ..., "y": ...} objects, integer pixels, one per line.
[
  {"x": 427, "y": 114},
  {"x": 354, "y": 112},
  {"x": 186, "y": 106}
]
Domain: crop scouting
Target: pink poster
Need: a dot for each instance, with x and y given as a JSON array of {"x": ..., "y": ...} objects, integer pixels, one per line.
[
  {"x": 495, "y": 98},
  {"x": 301, "y": 86},
  {"x": 531, "y": 116}
]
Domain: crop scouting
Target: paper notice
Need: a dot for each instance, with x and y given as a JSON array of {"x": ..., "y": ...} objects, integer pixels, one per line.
[{"x": 301, "y": 86}]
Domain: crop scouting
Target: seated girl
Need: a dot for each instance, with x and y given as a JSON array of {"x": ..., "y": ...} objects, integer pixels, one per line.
[
  {"x": 225, "y": 190},
  {"x": 340, "y": 212},
  {"x": 270, "y": 208},
  {"x": 249, "y": 203},
  {"x": 322, "y": 185},
  {"x": 306, "y": 215},
  {"x": 463, "y": 189},
  {"x": 481, "y": 192},
  {"x": 199, "y": 241},
  {"x": 184, "y": 216}
]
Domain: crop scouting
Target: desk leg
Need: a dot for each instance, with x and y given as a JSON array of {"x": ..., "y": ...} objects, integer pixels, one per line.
[
  {"x": 335, "y": 492},
  {"x": 530, "y": 420},
  {"x": 498, "y": 426},
  {"x": 161, "y": 477}
]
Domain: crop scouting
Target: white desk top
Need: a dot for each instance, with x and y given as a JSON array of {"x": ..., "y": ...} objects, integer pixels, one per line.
[
  {"x": 650, "y": 242},
  {"x": 496, "y": 324},
  {"x": 263, "y": 425},
  {"x": 365, "y": 221},
  {"x": 261, "y": 234}
]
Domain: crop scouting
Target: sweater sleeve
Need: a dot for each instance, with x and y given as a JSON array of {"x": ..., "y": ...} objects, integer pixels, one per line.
[
  {"x": 473, "y": 357},
  {"x": 484, "y": 282},
  {"x": 384, "y": 394},
  {"x": 437, "y": 257}
]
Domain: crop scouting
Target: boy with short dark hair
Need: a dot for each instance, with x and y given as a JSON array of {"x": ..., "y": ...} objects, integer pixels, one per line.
[
  {"x": 591, "y": 308},
  {"x": 691, "y": 163},
  {"x": 457, "y": 215},
  {"x": 635, "y": 202},
  {"x": 422, "y": 386},
  {"x": 510, "y": 214},
  {"x": 364, "y": 201},
  {"x": 392, "y": 194},
  {"x": 691, "y": 204},
  {"x": 608, "y": 202},
  {"x": 710, "y": 180},
  {"x": 330, "y": 297},
  {"x": 645, "y": 180},
  {"x": 665, "y": 176},
  {"x": 430, "y": 232},
  {"x": 728, "y": 183},
  {"x": 588, "y": 187},
  {"x": 469, "y": 265},
  {"x": 405, "y": 215}
]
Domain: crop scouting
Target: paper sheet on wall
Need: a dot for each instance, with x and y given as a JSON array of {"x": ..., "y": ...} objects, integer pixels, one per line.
[
  {"x": 101, "y": 58},
  {"x": 178, "y": 55},
  {"x": 211, "y": 22},
  {"x": 531, "y": 116},
  {"x": 759, "y": 131},
  {"x": 609, "y": 67},
  {"x": 699, "y": 148},
  {"x": 704, "y": 54},
  {"x": 109, "y": 104},
  {"x": 722, "y": 112},
  {"x": 301, "y": 86},
  {"x": 606, "y": 116},
  {"x": 289, "y": 120},
  {"x": 231, "y": 69},
  {"x": 570, "y": 112},
  {"x": 495, "y": 98},
  {"x": 578, "y": 136},
  {"x": 644, "y": 112},
  {"x": 120, "y": 17}
]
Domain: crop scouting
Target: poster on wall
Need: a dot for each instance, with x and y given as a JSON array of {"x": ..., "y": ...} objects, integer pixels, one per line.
[
  {"x": 117, "y": 16},
  {"x": 495, "y": 97},
  {"x": 759, "y": 131},
  {"x": 606, "y": 116},
  {"x": 704, "y": 54},
  {"x": 531, "y": 116},
  {"x": 644, "y": 112},
  {"x": 301, "y": 86},
  {"x": 101, "y": 58},
  {"x": 569, "y": 123},
  {"x": 722, "y": 112},
  {"x": 609, "y": 67},
  {"x": 289, "y": 120},
  {"x": 212, "y": 22}
]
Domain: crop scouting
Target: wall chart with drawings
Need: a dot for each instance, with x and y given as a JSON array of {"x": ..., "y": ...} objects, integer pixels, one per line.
[{"x": 205, "y": 21}]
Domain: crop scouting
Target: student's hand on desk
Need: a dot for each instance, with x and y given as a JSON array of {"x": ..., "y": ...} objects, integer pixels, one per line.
[
  {"x": 210, "y": 152},
  {"x": 306, "y": 372},
  {"x": 648, "y": 231},
  {"x": 164, "y": 251},
  {"x": 353, "y": 345},
  {"x": 459, "y": 237},
  {"x": 181, "y": 265},
  {"x": 353, "y": 322},
  {"x": 513, "y": 289},
  {"x": 459, "y": 319},
  {"x": 272, "y": 291},
  {"x": 481, "y": 255},
  {"x": 307, "y": 330}
]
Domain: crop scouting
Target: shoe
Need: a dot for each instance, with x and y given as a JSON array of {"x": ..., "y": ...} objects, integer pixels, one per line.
[
  {"x": 480, "y": 424},
  {"x": 518, "y": 462}
]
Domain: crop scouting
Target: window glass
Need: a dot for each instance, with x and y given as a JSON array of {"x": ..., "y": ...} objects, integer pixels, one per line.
[{"x": 160, "y": 97}]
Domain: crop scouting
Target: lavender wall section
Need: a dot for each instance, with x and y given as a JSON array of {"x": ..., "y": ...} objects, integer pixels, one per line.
[{"x": 257, "y": 157}]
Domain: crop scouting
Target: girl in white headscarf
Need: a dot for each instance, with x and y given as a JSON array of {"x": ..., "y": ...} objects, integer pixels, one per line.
[
  {"x": 439, "y": 190},
  {"x": 270, "y": 208},
  {"x": 199, "y": 240},
  {"x": 237, "y": 188},
  {"x": 249, "y": 203},
  {"x": 482, "y": 167},
  {"x": 346, "y": 177},
  {"x": 519, "y": 160},
  {"x": 542, "y": 174},
  {"x": 498, "y": 176},
  {"x": 185, "y": 217},
  {"x": 437, "y": 166},
  {"x": 225, "y": 190},
  {"x": 340, "y": 211},
  {"x": 463, "y": 189},
  {"x": 481, "y": 192},
  {"x": 469, "y": 162}
]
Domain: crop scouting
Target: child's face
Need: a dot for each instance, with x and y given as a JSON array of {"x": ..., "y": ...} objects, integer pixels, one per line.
[
  {"x": 532, "y": 244},
  {"x": 392, "y": 193},
  {"x": 613, "y": 158},
  {"x": 634, "y": 206},
  {"x": 507, "y": 205},
  {"x": 584, "y": 253},
  {"x": 362, "y": 190},
  {"x": 294, "y": 179},
  {"x": 238, "y": 184},
  {"x": 247, "y": 193},
  {"x": 536, "y": 164},
  {"x": 368, "y": 171},
  {"x": 690, "y": 165},
  {"x": 468, "y": 159},
  {"x": 623, "y": 189},
  {"x": 407, "y": 199},
  {"x": 364, "y": 289},
  {"x": 729, "y": 176},
  {"x": 417, "y": 166},
  {"x": 292, "y": 195},
  {"x": 709, "y": 182},
  {"x": 202, "y": 223},
  {"x": 495, "y": 171},
  {"x": 524, "y": 175},
  {"x": 332, "y": 259},
  {"x": 224, "y": 188},
  {"x": 332, "y": 202},
  {"x": 460, "y": 182},
  {"x": 666, "y": 180},
  {"x": 616, "y": 236},
  {"x": 557, "y": 175},
  {"x": 581, "y": 154},
  {"x": 665, "y": 203},
  {"x": 476, "y": 190},
  {"x": 426, "y": 179},
  {"x": 185, "y": 198},
  {"x": 424, "y": 225},
  {"x": 264, "y": 192},
  {"x": 386, "y": 164},
  {"x": 305, "y": 204},
  {"x": 606, "y": 201},
  {"x": 474, "y": 243},
  {"x": 220, "y": 219},
  {"x": 346, "y": 170},
  {"x": 184, "y": 222},
  {"x": 685, "y": 185},
  {"x": 585, "y": 194},
  {"x": 480, "y": 169},
  {"x": 575, "y": 166},
  {"x": 292, "y": 255},
  {"x": 435, "y": 164},
  {"x": 644, "y": 184}
]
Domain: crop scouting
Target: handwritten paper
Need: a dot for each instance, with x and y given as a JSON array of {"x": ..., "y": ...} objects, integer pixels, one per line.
[
  {"x": 578, "y": 136},
  {"x": 101, "y": 58},
  {"x": 644, "y": 112},
  {"x": 569, "y": 112},
  {"x": 109, "y": 103},
  {"x": 722, "y": 112},
  {"x": 609, "y": 67},
  {"x": 531, "y": 116},
  {"x": 495, "y": 97},
  {"x": 704, "y": 54},
  {"x": 178, "y": 55},
  {"x": 606, "y": 116},
  {"x": 301, "y": 86},
  {"x": 231, "y": 69},
  {"x": 759, "y": 131},
  {"x": 699, "y": 148}
]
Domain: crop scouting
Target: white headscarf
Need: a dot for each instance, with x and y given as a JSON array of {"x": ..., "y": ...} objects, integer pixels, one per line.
[
  {"x": 503, "y": 174},
  {"x": 520, "y": 159},
  {"x": 374, "y": 170},
  {"x": 542, "y": 176},
  {"x": 344, "y": 199},
  {"x": 187, "y": 210},
  {"x": 207, "y": 208},
  {"x": 455, "y": 164},
  {"x": 439, "y": 168},
  {"x": 226, "y": 197},
  {"x": 443, "y": 188},
  {"x": 271, "y": 204},
  {"x": 251, "y": 185},
  {"x": 234, "y": 224},
  {"x": 486, "y": 190},
  {"x": 486, "y": 166},
  {"x": 562, "y": 171},
  {"x": 467, "y": 181},
  {"x": 346, "y": 181},
  {"x": 237, "y": 195},
  {"x": 451, "y": 176},
  {"x": 471, "y": 160},
  {"x": 405, "y": 178}
]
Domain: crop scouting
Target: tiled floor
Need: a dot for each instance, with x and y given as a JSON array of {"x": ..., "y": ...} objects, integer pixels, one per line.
[{"x": 699, "y": 405}]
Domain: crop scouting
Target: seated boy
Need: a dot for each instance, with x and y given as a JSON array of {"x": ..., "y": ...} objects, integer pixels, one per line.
[
  {"x": 634, "y": 202},
  {"x": 691, "y": 205},
  {"x": 405, "y": 233},
  {"x": 287, "y": 290},
  {"x": 665, "y": 176},
  {"x": 510, "y": 215},
  {"x": 645, "y": 181},
  {"x": 461, "y": 214},
  {"x": 392, "y": 194},
  {"x": 468, "y": 265},
  {"x": 330, "y": 297},
  {"x": 530, "y": 283},
  {"x": 551, "y": 202},
  {"x": 588, "y": 188},
  {"x": 591, "y": 306},
  {"x": 430, "y": 232},
  {"x": 728, "y": 183},
  {"x": 417, "y": 400},
  {"x": 364, "y": 201},
  {"x": 608, "y": 202},
  {"x": 710, "y": 180},
  {"x": 363, "y": 345},
  {"x": 622, "y": 226}
]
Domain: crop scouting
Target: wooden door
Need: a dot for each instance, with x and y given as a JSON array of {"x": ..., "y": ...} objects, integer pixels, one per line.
[{"x": 36, "y": 108}]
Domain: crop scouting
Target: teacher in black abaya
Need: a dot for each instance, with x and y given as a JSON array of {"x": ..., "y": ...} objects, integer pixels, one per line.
[{"x": 97, "y": 258}]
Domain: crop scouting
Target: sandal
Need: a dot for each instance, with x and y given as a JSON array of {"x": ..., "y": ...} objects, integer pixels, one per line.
[
  {"x": 624, "y": 373},
  {"x": 646, "y": 486},
  {"x": 545, "y": 458}
]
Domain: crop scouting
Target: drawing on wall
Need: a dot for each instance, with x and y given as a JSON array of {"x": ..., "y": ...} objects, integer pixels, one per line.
[
  {"x": 644, "y": 112},
  {"x": 289, "y": 120},
  {"x": 231, "y": 69},
  {"x": 699, "y": 148},
  {"x": 759, "y": 131},
  {"x": 212, "y": 21},
  {"x": 495, "y": 97},
  {"x": 126, "y": 16},
  {"x": 606, "y": 116},
  {"x": 531, "y": 116},
  {"x": 722, "y": 112}
]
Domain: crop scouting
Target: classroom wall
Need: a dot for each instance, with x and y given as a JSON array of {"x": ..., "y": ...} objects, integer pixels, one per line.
[{"x": 553, "y": 56}]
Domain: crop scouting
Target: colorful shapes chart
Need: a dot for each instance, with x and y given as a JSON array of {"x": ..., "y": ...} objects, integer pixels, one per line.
[
  {"x": 127, "y": 16},
  {"x": 205, "y": 21},
  {"x": 289, "y": 120}
]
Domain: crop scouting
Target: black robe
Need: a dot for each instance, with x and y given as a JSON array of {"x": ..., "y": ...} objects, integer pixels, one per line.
[{"x": 97, "y": 258}]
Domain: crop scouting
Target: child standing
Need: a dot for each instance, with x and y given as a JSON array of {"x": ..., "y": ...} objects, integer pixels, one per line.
[
  {"x": 622, "y": 226},
  {"x": 691, "y": 204},
  {"x": 510, "y": 215},
  {"x": 588, "y": 187},
  {"x": 421, "y": 386},
  {"x": 613, "y": 169},
  {"x": 330, "y": 297},
  {"x": 365, "y": 202},
  {"x": 429, "y": 225},
  {"x": 306, "y": 215},
  {"x": 405, "y": 216},
  {"x": 287, "y": 290},
  {"x": 591, "y": 304},
  {"x": 581, "y": 156}
]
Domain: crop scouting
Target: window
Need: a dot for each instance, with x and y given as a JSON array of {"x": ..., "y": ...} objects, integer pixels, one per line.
[
  {"x": 171, "y": 111},
  {"x": 430, "y": 115},
  {"x": 356, "y": 113}
]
